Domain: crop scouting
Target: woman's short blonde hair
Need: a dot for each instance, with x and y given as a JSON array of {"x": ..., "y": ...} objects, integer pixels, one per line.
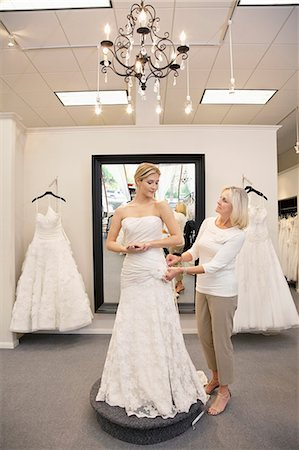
[
  {"x": 144, "y": 170},
  {"x": 181, "y": 208},
  {"x": 239, "y": 200}
]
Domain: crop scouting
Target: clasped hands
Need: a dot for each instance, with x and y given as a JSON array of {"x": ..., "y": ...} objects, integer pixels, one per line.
[
  {"x": 138, "y": 247},
  {"x": 172, "y": 272}
]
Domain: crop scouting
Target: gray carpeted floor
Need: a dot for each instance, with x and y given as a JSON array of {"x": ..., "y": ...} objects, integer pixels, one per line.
[{"x": 45, "y": 385}]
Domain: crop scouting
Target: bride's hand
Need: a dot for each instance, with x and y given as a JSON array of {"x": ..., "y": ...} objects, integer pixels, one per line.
[{"x": 137, "y": 247}]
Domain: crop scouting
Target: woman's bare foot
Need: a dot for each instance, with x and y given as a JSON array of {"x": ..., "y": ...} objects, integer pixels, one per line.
[
  {"x": 211, "y": 386},
  {"x": 220, "y": 403}
]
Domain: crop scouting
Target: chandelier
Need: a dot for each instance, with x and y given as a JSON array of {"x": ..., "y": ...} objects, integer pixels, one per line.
[{"x": 156, "y": 56}]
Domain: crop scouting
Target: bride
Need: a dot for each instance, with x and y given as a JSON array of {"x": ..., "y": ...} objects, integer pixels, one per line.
[{"x": 147, "y": 370}]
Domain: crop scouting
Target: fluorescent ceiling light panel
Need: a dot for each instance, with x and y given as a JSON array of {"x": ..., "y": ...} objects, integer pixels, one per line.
[
  {"x": 29, "y": 5},
  {"x": 87, "y": 98},
  {"x": 238, "y": 97},
  {"x": 267, "y": 2}
]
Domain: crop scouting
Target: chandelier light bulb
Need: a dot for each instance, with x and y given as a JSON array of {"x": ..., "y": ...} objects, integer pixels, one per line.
[
  {"x": 142, "y": 18},
  {"x": 138, "y": 66},
  {"x": 188, "y": 109},
  {"x": 129, "y": 108},
  {"x": 107, "y": 31},
  {"x": 105, "y": 51},
  {"x": 11, "y": 41},
  {"x": 158, "y": 109},
  {"x": 188, "y": 105},
  {"x": 98, "y": 109},
  {"x": 98, "y": 106},
  {"x": 183, "y": 38}
]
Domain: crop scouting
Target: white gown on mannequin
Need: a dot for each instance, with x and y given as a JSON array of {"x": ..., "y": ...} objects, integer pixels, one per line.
[
  {"x": 264, "y": 299},
  {"x": 148, "y": 370},
  {"x": 50, "y": 292}
]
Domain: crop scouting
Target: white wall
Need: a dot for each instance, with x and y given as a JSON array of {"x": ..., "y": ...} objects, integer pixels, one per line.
[
  {"x": 12, "y": 138},
  {"x": 230, "y": 151}
]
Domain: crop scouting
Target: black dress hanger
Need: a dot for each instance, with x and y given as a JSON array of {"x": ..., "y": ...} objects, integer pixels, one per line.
[
  {"x": 251, "y": 189},
  {"x": 48, "y": 193}
]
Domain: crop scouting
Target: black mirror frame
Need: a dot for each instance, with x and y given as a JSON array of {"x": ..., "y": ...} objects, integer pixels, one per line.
[{"x": 97, "y": 162}]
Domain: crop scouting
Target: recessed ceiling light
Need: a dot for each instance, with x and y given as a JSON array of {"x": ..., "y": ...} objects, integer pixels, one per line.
[
  {"x": 29, "y": 5},
  {"x": 87, "y": 98},
  {"x": 267, "y": 3},
  {"x": 238, "y": 96}
]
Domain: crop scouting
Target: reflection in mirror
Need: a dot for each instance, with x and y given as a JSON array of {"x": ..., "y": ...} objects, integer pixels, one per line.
[{"x": 181, "y": 185}]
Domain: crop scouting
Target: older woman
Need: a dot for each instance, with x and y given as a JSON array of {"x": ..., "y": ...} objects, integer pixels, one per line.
[{"x": 218, "y": 242}]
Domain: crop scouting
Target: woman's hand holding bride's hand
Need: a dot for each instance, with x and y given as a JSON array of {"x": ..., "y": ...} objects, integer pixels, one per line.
[
  {"x": 171, "y": 260},
  {"x": 170, "y": 274}
]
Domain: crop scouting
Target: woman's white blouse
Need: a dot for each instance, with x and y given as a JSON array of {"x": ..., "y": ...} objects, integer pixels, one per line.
[{"x": 217, "y": 249}]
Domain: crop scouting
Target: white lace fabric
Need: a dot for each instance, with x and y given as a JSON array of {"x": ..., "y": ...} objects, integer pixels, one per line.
[
  {"x": 264, "y": 299},
  {"x": 148, "y": 370},
  {"x": 50, "y": 292}
]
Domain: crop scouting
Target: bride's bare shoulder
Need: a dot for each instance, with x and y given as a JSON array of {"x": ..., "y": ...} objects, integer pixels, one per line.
[
  {"x": 124, "y": 210},
  {"x": 162, "y": 205}
]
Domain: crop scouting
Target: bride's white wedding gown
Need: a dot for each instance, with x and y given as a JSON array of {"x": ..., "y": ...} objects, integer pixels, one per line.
[{"x": 148, "y": 370}]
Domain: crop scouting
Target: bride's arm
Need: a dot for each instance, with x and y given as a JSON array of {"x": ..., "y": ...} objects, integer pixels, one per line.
[
  {"x": 175, "y": 236},
  {"x": 113, "y": 233}
]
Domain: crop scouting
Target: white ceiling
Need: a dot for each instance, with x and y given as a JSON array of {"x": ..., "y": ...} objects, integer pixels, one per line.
[{"x": 57, "y": 51}]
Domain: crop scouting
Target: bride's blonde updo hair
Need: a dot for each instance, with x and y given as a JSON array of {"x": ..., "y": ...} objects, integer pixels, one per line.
[{"x": 144, "y": 170}]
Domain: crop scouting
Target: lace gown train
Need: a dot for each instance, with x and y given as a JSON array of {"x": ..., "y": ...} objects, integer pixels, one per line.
[{"x": 148, "y": 370}]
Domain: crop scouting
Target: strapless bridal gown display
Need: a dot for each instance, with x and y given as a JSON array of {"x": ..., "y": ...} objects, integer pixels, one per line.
[
  {"x": 265, "y": 303},
  {"x": 50, "y": 292},
  {"x": 148, "y": 370}
]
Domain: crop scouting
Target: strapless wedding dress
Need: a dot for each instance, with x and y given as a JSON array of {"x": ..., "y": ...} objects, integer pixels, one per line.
[
  {"x": 50, "y": 292},
  {"x": 148, "y": 370},
  {"x": 265, "y": 302}
]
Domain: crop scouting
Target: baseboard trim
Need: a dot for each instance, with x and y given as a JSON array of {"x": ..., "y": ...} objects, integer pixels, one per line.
[
  {"x": 100, "y": 331},
  {"x": 9, "y": 345}
]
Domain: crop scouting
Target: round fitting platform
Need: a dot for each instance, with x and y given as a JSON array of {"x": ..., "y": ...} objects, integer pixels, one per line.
[{"x": 142, "y": 431}]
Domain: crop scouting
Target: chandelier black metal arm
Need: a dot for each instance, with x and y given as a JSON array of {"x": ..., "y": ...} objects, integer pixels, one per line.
[{"x": 157, "y": 62}]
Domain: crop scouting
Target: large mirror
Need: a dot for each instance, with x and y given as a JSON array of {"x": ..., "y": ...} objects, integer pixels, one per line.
[{"x": 182, "y": 181}]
